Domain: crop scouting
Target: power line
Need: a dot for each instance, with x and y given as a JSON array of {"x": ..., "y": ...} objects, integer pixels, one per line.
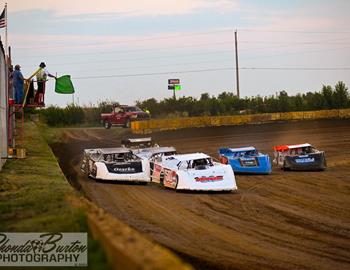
[
  {"x": 296, "y": 53},
  {"x": 150, "y": 74},
  {"x": 242, "y": 68},
  {"x": 297, "y": 68},
  {"x": 143, "y": 58},
  {"x": 127, "y": 41},
  {"x": 212, "y": 69},
  {"x": 163, "y": 65},
  {"x": 293, "y": 43},
  {"x": 128, "y": 51},
  {"x": 195, "y": 45},
  {"x": 293, "y": 31},
  {"x": 192, "y": 54}
]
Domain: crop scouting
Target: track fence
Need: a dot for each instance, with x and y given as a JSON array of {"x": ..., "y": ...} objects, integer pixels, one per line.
[{"x": 143, "y": 127}]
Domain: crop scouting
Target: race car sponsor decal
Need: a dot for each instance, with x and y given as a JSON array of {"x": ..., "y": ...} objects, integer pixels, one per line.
[
  {"x": 305, "y": 160},
  {"x": 157, "y": 167},
  {"x": 132, "y": 167},
  {"x": 249, "y": 162},
  {"x": 170, "y": 178},
  {"x": 204, "y": 179},
  {"x": 125, "y": 170},
  {"x": 156, "y": 172}
]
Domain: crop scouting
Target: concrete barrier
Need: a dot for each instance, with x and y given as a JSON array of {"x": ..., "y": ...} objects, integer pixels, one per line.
[
  {"x": 125, "y": 247},
  {"x": 144, "y": 127}
]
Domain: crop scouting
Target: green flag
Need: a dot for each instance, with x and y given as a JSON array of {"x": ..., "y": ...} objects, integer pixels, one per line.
[{"x": 64, "y": 85}]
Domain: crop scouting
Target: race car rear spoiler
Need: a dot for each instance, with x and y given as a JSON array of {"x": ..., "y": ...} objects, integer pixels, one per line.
[
  {"x": 236, "y": 150},
  {"x": 137, "y": 142},
  {"x": 282, "y": 148}
]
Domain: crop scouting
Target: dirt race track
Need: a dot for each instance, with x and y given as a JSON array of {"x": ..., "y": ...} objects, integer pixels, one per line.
[{"x": 287, "y": 220}]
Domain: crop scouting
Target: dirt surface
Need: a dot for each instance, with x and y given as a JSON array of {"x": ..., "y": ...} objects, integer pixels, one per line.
[{"x": 287, "y": 220}]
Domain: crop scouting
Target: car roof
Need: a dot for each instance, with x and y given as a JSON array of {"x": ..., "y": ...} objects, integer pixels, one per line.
[
  {"x": 192, "y": 156},
  {"x": 125, "y": 106},
  {"x": 114, "y": 150},
  {"x": 293, "y": 146},
  {"x": 242, "y": 149},
  {"x": 148, "y": 152},
  {"x": 162, "y": 149},
  {"x": 158, "y": 149},
  {"x": 137, "y": 140}
]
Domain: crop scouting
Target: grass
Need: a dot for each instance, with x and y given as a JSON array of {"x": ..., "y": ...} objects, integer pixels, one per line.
[{"x": 33, "y": 194}]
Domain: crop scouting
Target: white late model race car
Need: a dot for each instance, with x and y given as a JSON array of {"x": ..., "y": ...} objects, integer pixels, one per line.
[
  {"x": 116, "y": 164},
  {"x": 195, "y": 171}
]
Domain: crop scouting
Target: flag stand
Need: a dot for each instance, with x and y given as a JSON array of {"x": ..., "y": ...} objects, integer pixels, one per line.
[{"x": 6, "y": 44}]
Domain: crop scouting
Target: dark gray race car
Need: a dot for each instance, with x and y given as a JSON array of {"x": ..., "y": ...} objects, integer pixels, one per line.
[{"x": 299, "y": 157}]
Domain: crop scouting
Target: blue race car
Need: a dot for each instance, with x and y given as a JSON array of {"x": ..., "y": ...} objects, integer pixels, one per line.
[{"x": 246, "y": 160}]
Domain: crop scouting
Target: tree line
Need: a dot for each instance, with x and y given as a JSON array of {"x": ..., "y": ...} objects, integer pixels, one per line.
[{"x": 225, "y": 103}]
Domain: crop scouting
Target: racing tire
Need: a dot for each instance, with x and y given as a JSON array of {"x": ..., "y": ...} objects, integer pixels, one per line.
[
  {"x": 127, "y": 124},
  {"x": 177, "y": 182},
  {"x": 161, "y": 180},
  {"x": 107, "y": 125},
  {"x": 324, "y": 164},
  {"x": 284, "y": 167},
  {"x": 142, "y": 183}
]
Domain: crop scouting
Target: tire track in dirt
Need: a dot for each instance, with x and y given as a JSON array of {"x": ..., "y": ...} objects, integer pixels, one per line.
[{"x": 285, "y": 220}]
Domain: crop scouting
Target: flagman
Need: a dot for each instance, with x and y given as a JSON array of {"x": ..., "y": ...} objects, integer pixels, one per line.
[{"x": 41, "y": 78}]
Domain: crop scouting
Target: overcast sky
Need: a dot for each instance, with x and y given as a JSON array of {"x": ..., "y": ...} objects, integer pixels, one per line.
[{"x": 127, "y": 50}]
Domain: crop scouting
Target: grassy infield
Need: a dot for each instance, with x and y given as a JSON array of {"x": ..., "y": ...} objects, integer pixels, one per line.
[{"x": 33, "y": 192}]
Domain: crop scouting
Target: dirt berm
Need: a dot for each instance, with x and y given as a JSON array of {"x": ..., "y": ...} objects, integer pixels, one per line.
[
  {"x": 125, "y": 247},
  {"x": 286, "y": 220}
]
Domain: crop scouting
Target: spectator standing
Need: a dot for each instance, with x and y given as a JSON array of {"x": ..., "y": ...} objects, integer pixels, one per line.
[
  {"x": 18, "y": 83},
  {"x": 10, "y": 81}
]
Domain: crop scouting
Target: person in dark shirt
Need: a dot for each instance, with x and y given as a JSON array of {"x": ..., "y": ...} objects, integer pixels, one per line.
[
  {"x": 10, "y": 82},
  {"x": 18, "y": 83}
]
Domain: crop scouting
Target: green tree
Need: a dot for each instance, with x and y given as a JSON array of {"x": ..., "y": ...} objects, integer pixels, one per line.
[
  {"x": 327, "y": 93},
  {"x": 283, "y": 101},
  {"x": 341, "y": 95}
]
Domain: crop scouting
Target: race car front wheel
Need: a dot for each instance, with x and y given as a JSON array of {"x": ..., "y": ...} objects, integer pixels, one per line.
[
  {"x": 285, "y": 167},
  {"x": 177, "y": 182},
  {"x": 107, "y": 124},
  {"x": 161, "y": 180}
]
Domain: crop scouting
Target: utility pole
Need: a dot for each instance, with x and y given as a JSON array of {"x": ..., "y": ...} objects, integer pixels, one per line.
[{"x": 237, "y": 70}]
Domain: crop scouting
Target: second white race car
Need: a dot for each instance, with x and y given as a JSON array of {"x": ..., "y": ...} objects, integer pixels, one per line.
[
  {"x": 195, "y": 171},
  {"x": 148, "y": 150},
  {"x": 115, "y": 164}
]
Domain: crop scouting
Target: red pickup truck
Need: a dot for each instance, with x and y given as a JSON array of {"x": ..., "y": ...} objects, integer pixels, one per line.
[{"x": 122, "y": 115}]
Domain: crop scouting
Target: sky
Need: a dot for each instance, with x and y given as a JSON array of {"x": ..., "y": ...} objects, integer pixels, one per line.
[{"x": 124, "y": 51}]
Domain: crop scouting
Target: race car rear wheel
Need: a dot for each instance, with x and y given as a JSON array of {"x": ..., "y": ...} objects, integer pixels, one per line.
[{"x": 142, "y": 183}]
